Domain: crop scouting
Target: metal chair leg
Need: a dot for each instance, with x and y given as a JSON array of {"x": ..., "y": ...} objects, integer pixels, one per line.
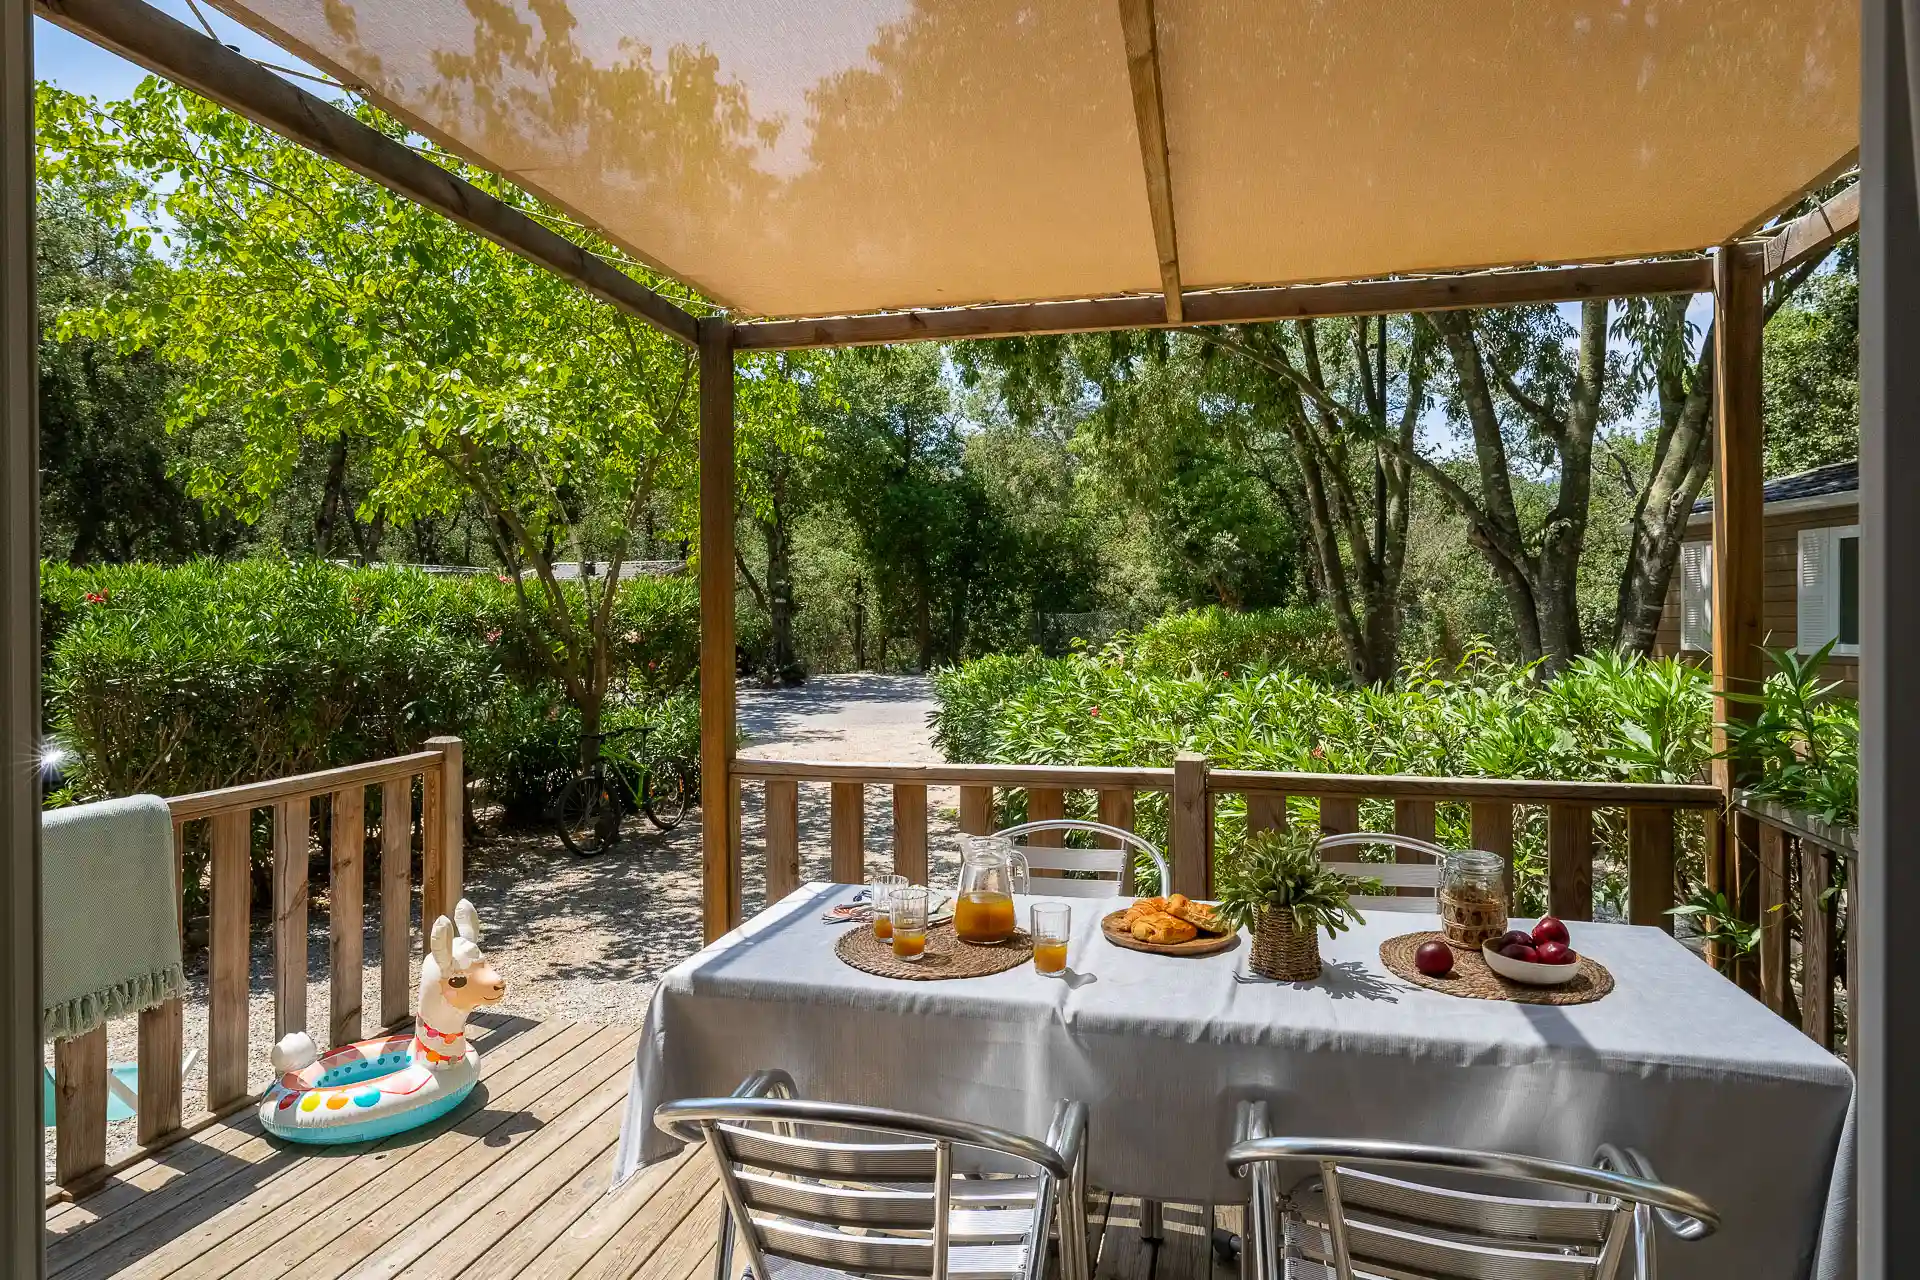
[{"x": 1152, "y": 1222}]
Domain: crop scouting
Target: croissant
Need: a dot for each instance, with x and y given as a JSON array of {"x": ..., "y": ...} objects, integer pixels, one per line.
[
  {"x": 1197, "y": 914},
  {"x": 1163, "y": 928},
  {"x": 1146, "y": 907}
]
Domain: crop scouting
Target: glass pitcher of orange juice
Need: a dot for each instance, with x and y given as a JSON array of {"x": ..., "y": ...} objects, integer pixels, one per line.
[{"x": 992, "y": 870}]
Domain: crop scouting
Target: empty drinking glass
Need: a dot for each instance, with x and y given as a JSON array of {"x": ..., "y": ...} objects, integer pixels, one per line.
[
  {"x": 908, "y": 908},
  {"x": 1052, "y": 925},
  {"x": 880, "y": 889}
]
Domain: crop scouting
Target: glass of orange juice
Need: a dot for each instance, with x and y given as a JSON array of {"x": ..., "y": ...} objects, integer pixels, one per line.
[
  {"x": 1052, "y": 925},
  {"x": 908, "y": 909},
  {"x": 881, "y": 889}
]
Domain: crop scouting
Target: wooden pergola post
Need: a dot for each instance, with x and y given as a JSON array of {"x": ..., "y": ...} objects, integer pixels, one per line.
[
  {"x": 719, "y": 794},
  {"x": 1739, "y": 280},
  {"x": 21, "y": 1134},
  {"x": 1883, "y": 1014}
]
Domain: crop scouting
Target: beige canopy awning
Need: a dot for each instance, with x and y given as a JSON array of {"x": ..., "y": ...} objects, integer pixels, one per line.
[{"x": 801, "y": 158}]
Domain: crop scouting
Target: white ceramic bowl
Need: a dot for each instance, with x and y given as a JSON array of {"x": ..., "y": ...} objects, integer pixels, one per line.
[{"x": 1526, "y": 971}]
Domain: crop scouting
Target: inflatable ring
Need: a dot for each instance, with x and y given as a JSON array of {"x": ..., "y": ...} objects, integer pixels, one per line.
[{"x": 368, "y": 1089}]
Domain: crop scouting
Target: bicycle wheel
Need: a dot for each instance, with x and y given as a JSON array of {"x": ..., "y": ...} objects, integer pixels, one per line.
[
  {"x": 587, "y": 816},
  {"x": 663, "y": 793}
]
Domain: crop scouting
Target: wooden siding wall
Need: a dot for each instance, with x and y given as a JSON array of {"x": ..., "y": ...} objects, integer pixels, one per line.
[{"x": 1780, "y": 569}]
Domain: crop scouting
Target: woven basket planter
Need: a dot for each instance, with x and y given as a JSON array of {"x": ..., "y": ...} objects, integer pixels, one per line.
[{"x": 1283, "y": 952}]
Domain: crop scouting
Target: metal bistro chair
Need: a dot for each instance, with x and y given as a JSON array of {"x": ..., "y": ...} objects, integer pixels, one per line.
[
  {"x": 1344, "y": 1220},
  {"x": 1103, "y": 862},
  {"x": 819, "y": 1189}
]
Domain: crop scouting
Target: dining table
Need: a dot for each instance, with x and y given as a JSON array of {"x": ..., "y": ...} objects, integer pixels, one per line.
[{"x": 1723, "y": 1097}]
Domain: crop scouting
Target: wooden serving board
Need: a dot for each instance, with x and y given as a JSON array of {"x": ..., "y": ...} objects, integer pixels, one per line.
[{"x": 1114, "y": 927}]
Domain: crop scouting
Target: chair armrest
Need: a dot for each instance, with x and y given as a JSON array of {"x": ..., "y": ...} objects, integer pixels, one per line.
[
  {"x": 1635, "y": 1164},
  {"x": 1068, "y": 1132},
  {"x": 771, "y": 1083}
]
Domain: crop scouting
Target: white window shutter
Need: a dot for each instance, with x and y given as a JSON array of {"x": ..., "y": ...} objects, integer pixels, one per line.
[
  {"x": 1817, "y": 602},
  {"x": 1696, "y": 596}
]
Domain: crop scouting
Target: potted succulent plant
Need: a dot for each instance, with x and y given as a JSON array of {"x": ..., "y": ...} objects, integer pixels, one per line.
[{"x": 1276, "y": 887}]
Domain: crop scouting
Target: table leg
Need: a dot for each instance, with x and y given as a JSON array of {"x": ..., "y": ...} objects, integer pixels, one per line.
[{"x": 1152, "y": 1230}]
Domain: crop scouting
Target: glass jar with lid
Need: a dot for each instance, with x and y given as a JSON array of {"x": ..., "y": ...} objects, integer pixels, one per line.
[{"x": 1473, "y": 898}]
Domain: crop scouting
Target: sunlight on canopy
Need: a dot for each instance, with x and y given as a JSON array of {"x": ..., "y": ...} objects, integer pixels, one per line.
[{"x": 816, "y": 157}]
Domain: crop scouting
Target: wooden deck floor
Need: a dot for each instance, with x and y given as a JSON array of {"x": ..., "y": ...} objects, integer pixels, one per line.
[{"x": 514, "y": 1183}]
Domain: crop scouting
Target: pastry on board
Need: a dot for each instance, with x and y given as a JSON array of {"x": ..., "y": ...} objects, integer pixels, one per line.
[
  {"x": 1145, "y": 907},
  {"x": 1198, "y": 914},
  {"x": 1163, "y": 928}
]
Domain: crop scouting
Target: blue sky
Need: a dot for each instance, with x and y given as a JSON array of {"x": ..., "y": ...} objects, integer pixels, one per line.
[{"x": 79, "y": 66}]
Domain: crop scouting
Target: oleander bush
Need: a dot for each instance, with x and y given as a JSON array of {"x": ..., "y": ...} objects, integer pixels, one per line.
[
  {"x": 1303, "y": 639},
  {"x": 1606, "y": 718}
]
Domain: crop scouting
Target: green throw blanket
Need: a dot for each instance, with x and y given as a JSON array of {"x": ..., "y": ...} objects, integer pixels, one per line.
[{"x": 110, "y": 933}]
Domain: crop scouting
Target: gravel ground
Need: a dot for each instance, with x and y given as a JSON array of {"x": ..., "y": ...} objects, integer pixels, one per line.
[{"x": 586, "y": 940}]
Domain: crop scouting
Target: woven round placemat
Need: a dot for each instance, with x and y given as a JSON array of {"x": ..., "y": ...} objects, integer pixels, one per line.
[
  {"x": 945, "y": 957},
  {"x": 1471, "y": 977}
]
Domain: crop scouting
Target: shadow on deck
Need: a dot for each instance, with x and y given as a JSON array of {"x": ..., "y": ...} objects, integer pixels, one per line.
[{"x": 513, "y": 1183}]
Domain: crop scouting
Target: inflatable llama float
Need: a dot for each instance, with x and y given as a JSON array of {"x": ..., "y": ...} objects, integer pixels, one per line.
[{"x": 373, "y": 1088}]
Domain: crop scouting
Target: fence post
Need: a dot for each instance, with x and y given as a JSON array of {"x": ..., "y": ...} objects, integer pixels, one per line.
[
  {"x": 346, "y": 913},
  {"x": 1650, "y": 867},
  {"x": 847, "y": 829},
  {"x": 163, "y": 1036},
  {"x": 1772, "y": 901},
  {"x": 1116, "y": 810},
  {"x": 1570, "y": 861},
  {"x": 292, "y": 831},
  {"x": 445, "y": 873},
  {"x": 1190, "y": 825},
  {"x": 396, "y": 899},
  {"x": 783, "y": 838},
  {"x": 910, "y": 831},
  {"x": 1816, "y": 943},
  {"x": 976, "y": 811},
  {"x": 1493, "y": 833}
]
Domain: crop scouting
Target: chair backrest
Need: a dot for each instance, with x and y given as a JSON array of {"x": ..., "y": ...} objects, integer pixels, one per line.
[
  {"x": 1423, "y": 878},
  {"x": 870, "y": 1191},
  {"x": 1104, "y": 863},
  {"x": 1350, "y": 1218}
]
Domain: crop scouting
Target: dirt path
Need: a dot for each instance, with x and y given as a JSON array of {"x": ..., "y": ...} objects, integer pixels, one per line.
[{"x": 587, "y": 939}]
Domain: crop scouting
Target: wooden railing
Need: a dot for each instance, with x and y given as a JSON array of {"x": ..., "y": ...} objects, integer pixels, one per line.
[
  {"x": 80, "y": 1063},
  {"x": 1192, "y": 789},
  {"x": 1801, "y": 894}
]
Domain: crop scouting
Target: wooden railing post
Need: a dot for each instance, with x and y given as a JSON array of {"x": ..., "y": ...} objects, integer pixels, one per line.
[
  {"x": 1266, "y": 811},
  {"x": 163, "y": 1036},
  {"x": 1493, "y": 833},
  {"x": 847, "y": 826},
  {"x": 1116, "y": 810},
  {"x": 1414, "y": 818},
  {"x": 1570, "y": 861},
  {"x": 346, "y": 913},
  {"x": 227, "y": 959},
  {"x": 910, "y": 831},
  {"x": 1339, "y": 815},
  {"x": 1650, "y": 867},
  {"x": 444, "y": 871},
  {"x": 396, "y": 899},
  {"x": 80, "y": 1105},
  {"x": 1045, "y": 804},
  {"x": 292, "y": 828},
  {"x": 1772, "y": 901},
  {"x": 1816, "y": 943},
  {"x": 783, "y": 838},
  {"x": 1189, "y": 826},
  {"x": 976, "y": 811}
]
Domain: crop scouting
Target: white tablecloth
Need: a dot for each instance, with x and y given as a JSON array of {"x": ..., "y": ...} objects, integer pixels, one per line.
[{"x": 1725, "y": 1098}]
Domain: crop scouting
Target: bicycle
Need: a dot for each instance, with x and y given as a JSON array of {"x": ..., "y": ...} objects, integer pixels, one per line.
[{"x": 590, "y": 808}]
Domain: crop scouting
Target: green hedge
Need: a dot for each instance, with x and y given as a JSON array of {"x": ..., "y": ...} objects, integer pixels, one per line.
[
  {"x": 1606, "y": 718},
  {"x": 180, "y": 679},
  {"x": 1302, "y": 639}
]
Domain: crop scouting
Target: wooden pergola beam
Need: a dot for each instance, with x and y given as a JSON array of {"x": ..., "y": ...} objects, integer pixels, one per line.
[
  {"x": 1814, "y": 233},
  {"x": 1241, "y": 306},
  {"x": 144, "y": 35},
  {"x": 1150, "y": 122}
]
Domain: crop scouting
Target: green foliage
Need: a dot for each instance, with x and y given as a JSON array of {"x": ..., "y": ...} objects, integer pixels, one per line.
[
  {"x": 208, "y": 675},
  {"x": 1301, "y": 639},
  {"x": 1606, "y": 718},
  {"x": 1803, "y": 744},
  {"x": 1282, "y": 871},
  {"x": 1811, "y": 373}
]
